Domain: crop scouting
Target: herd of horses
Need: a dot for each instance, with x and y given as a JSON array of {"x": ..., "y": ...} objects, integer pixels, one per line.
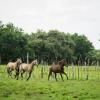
[{"x": 20, "y": 68}]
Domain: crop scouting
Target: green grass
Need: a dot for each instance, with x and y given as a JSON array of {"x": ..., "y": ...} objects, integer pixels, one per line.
[{"x": 42, "y": 89}]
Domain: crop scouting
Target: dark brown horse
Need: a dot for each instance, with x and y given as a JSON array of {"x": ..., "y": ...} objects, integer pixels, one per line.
[{"x": 58, "y": 68}]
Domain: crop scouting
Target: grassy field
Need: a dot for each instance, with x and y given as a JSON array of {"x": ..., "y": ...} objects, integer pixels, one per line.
[{"x": 42, "y": 89}]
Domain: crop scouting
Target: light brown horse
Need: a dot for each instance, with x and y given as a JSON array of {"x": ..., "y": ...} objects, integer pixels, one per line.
[
  {"x": 11, "y": 66},
  {"x": 58, "y": 68},
  {"x": 24, "y": 67}
]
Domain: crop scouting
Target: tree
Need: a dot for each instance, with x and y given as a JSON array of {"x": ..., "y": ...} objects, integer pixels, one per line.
[
  {"x": 13, "y": 42},
  {"x": 47, "y": 47},
  {"x": 83, "y": 46}
]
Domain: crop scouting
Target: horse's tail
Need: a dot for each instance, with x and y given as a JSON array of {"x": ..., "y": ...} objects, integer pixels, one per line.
[
  {"x": 50, "y": 70},
  {"x": 50, "y": 73}
]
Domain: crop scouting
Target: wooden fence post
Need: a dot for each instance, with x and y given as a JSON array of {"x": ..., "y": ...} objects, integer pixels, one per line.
[
  {"x": 0, "y": 59},
  {"x": 87, "y": 70},
  {"x": 42, "y": 72},
  {"x": 68, "y": 71},
  {"x": 96, "y": 65},
  {"x": 27, "y": 58},
  {"x": 98, "y": 68},
  {"x": 78, "y": 69},
  {"x": 73, "y": 71}
]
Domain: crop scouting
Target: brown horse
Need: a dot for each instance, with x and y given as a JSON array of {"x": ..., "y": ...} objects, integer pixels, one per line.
[
  {"x": 28, "y": 68},
  {"x": 11, "y": 66},
  {"x": 58, "y": 68}
]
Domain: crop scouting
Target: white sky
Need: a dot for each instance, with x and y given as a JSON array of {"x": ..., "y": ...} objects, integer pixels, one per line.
[{"x": 81, "y": 16}]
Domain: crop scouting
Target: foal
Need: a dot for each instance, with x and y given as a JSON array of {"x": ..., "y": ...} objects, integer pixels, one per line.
[
  {"x": 28, "y": 68},
  {"x": 58, "y": 68},
  {"x": 11, "y": 66}
]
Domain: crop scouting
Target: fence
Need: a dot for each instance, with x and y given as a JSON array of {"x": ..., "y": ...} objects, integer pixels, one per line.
[
  {"x": 85, "y": 72},
  {"x": 74, "y": 72}
]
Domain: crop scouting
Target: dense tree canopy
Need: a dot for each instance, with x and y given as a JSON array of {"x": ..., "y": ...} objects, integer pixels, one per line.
[{"x": 45, "y": 46}]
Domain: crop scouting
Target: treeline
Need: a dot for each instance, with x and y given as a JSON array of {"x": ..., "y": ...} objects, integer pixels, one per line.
[{"x": 47, "y": 47}]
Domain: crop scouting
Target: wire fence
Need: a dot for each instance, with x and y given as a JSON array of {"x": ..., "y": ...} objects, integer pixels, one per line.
[{"x": 73, "y": 72}]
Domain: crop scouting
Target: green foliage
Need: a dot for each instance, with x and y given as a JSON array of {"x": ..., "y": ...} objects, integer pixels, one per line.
[
  {"x": 12, "y": 42},
  {"x": 82, "y": 47},
  {"x": 45, "y": 46}
]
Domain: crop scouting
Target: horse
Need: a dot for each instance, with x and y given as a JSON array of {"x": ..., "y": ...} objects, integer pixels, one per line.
[
  {"x": 58, "y": 68},
  {"x": 24, "y": 67},
  {"x": 11, "y": 66}
]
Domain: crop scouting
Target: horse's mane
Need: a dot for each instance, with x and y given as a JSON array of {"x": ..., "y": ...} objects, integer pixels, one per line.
[{"x": 61, "y": 61}]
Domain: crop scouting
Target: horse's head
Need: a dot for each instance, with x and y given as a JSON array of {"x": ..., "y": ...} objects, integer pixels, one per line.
[
  {"x": 19, "y": 61},
  {"x": 63, "y": 62},
  {"x": 35, "y": 62}
]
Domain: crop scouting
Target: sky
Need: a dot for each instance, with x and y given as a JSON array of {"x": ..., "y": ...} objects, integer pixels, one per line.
[{"x": 73, "y": 16}]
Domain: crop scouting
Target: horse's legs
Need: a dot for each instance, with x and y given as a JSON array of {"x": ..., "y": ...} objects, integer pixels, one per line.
[
  {"x": 22, "y": 73},
  {"x": 26, "y": 74},
  {"x": 10, "y": 74},
  {"x": 29, "y": 75},
  {"x": 66, "y": 75},
  {"x": 8, "y": 71},
  {"x": 61, "y": 76},
  {"x": 50, "y": 73},
  {"x": 17, "y": 74},
  {"x": 55, "y": 76}
]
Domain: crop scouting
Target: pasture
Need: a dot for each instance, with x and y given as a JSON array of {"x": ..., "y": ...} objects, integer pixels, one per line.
[{"x": 37, "y": 88}]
